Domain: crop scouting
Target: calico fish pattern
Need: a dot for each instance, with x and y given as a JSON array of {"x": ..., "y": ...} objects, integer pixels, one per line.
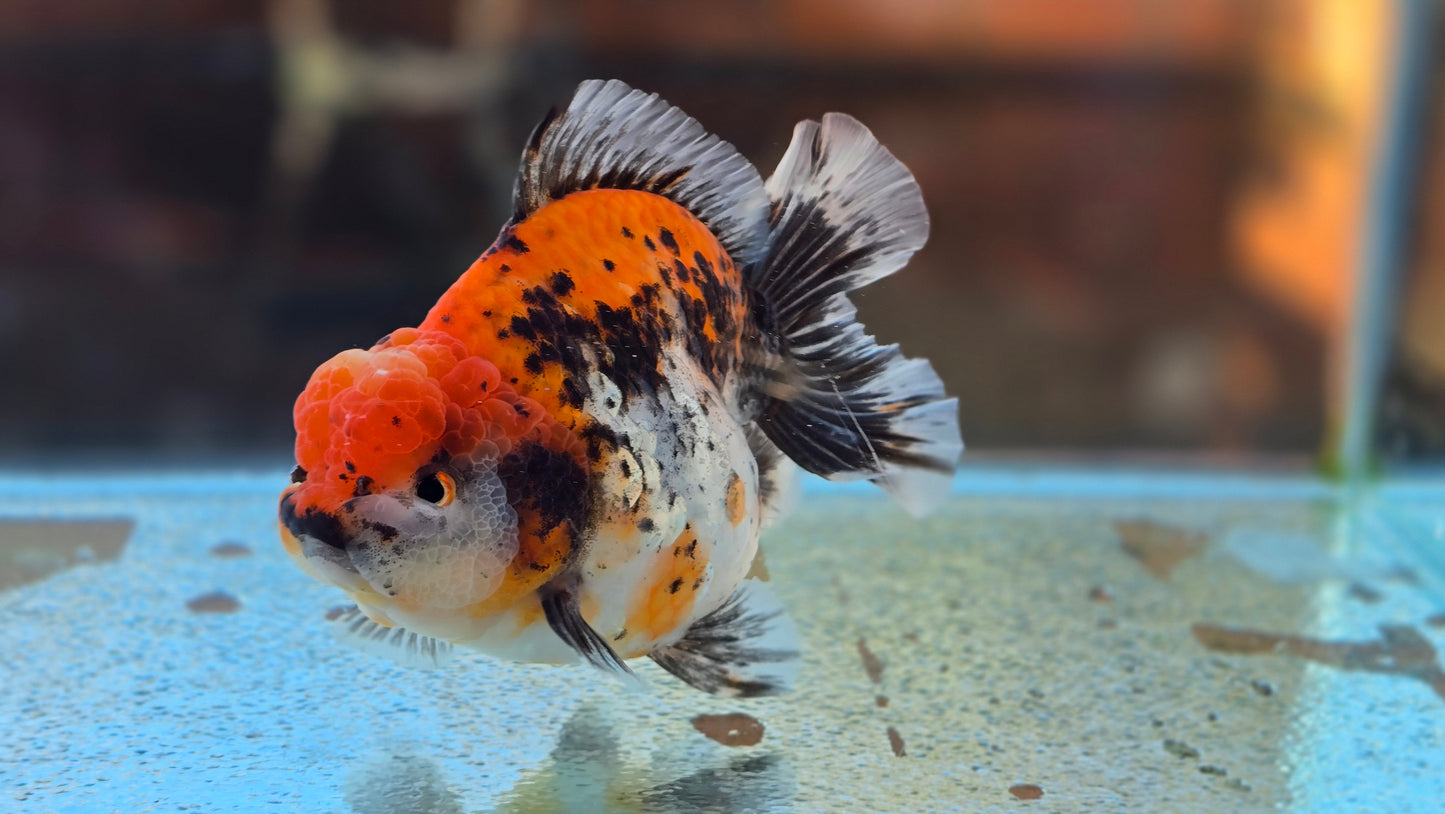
[{"x": 572, "y": 456}]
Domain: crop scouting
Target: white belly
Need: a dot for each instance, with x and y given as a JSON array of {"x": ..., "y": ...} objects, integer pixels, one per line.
[{"x": 674, "y": 528}]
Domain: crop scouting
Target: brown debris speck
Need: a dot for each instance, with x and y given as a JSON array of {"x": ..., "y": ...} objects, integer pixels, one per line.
[
  {"x": 1180, "y": 749},
  {"x": 1026, "y": 791},
  {"x": 871, "y": 663},
  {"x": 230, "y": 550},
  {"x": 896, "y": 741},
  {"x": 332, "y": 614},
  {"x": 1100, "y": 594},
  {"x": 1157, "y": 547},
  {"x": 214, "y": 602},
  {"x": 732, "y": 729},
  {"x": 1364, "y": 593},
  {"x": 880, "y": 700},
  {"x": 1401, "y": 650}
]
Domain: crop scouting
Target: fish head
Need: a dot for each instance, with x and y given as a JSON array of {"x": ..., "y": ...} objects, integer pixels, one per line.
[{"x": 412, "y": 466}]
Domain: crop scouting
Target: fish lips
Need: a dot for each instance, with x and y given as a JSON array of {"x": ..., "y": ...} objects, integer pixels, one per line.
[{"x": 320, "y": 548}]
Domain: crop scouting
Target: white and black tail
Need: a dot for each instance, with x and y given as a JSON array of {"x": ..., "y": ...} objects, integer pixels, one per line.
[{"x": 845, "y": 213}]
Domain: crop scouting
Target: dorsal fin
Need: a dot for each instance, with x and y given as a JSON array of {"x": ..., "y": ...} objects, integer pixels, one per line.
[{"x": 614, "y": 137}]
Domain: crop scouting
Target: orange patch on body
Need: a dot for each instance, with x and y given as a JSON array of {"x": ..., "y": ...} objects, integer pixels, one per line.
[
  {"x": 581, "y": 234},
  {"x": 737, "y": 497},
  {"x": 289, "y": 541},
  {"x": 539, "y": 558},
  {"x": 667, "y": 595}
]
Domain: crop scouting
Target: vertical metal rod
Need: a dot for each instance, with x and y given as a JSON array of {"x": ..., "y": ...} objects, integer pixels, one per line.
[{"x": 1385, "y": 243}]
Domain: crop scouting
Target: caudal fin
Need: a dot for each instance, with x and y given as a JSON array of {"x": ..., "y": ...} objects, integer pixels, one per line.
[{"x": 845, "y": 213}]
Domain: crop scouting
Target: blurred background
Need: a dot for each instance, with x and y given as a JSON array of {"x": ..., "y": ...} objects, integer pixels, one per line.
[{"x": 1149, "y": 217}]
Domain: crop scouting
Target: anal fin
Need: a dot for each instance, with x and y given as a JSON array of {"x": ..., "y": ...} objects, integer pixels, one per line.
[
  {"x": 747, "y": 647},
  {"x": 402, "y": 646},
  {"x": 565, "y": 618}
]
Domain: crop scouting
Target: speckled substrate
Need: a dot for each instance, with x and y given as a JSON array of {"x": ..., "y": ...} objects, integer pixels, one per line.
[{"x": 1019, "y": 646}]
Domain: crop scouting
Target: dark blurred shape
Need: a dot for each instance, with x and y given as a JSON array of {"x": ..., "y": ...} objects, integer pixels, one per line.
[
  {"x": 31, "y": 550},
  {"x": 200, "y": 202}
]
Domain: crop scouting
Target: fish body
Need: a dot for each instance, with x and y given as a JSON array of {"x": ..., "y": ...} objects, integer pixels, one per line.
[{"x": 572, "y": 456}]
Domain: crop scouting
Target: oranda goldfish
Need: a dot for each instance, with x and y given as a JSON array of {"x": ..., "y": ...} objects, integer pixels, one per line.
[{"x": 571, "y": 457}]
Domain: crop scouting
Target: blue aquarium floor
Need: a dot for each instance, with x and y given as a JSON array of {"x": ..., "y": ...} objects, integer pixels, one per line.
[{"x": 1092, "y": 641}]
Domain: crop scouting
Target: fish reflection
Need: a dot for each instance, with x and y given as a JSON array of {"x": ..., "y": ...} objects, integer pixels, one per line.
[
  {"x": 587, "y": 771},
  {"x": 401, "y": 784}
]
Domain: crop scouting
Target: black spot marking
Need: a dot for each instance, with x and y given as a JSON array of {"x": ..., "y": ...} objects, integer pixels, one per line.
[
  {"x": 396, "y": 421},
  {"x": 446, "y": 317},
  {"x": 313, "y": 523},
  {"x": 665, "y": 236},
  {"x": 562, "y": 283},
  {"x": 523, "y": 328},
  {"x": 387, "y": 532},
  {"x": 504, "y": 267},
  {"x": 298, "y": 475},
  {"x": 503, "y": 334},
  {"x": 608, "y": 264},
  {"x": 533, "y": 363},
  {"x": 487, "y": 313},
  {"x": 646, "y": 524},
  {"x": 536, "y": 566},
  {"x": 514, "y": 243},
  {"x": 547, "y": 482},
  {"x": 599, "y": 439},
  {"x": 647, "y": 241},
  {"x": 572, "y": 394},
  {"x": 675, "y": 586},
  {"x": 703, "y": 266},
  {"x": 626, "y": 232},
  {"x": 363, "y": 486}
]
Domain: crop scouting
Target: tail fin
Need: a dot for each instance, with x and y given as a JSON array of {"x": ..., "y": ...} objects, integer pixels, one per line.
[{"x": 845, "y": 212}]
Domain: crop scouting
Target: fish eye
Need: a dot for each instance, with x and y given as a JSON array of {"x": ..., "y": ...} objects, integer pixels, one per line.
[
  {"x": 438, "y": 488},
  {"x": 298, "y": 475}
]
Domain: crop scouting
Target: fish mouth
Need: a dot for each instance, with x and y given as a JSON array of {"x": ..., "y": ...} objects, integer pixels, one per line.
[{"x": 316, "y": 541}]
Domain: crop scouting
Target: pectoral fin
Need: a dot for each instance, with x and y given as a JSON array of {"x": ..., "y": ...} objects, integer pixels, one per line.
[
  {"x": 747, "y": 647},
  {"x": 565, "y": 618}
]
